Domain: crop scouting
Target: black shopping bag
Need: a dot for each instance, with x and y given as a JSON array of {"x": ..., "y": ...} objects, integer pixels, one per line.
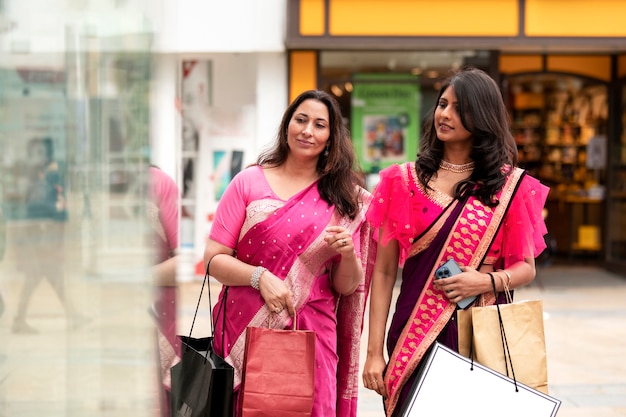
[{"x": 202, "y": 382}]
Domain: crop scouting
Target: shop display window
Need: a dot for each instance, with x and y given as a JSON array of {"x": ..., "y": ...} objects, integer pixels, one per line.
[
  {"x": 556, "y": 121},
  {"x": 559, "y": 123},
  {"x": 617, "y": 192},
  {"x": 385, "y": 96}
]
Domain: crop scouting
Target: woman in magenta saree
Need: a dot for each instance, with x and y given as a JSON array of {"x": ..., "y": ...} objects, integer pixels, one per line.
[
  {"x": 463, "y": 200},
  {"x": 162, "y": 215},
  {"x": 296, "y": 252}
]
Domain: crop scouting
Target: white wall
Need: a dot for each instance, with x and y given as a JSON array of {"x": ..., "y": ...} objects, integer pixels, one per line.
[
  {"x": 248, "y": 98},
  {"x": 229, "y": 26},
  {"x": 233, "y": 80},
  {"x": 165, "y": 123},
  {"x": 271, "y": 96}
]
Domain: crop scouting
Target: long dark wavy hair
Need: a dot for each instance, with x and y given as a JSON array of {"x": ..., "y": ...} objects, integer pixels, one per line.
[
  {"x": 483, "y": 113},
  {"x": 339, "y": 171}
]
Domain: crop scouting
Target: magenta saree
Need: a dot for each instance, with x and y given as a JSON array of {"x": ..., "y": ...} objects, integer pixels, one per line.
[
  {"x": 288, "y": 239},
  {"x": 162, "y": 215},
  {"x": 466, "y": 231}
]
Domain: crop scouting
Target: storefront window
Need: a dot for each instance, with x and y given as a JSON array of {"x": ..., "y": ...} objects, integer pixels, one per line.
[
  {"x": 617, "y": 209},
  {"x": 385, "y": 96},
  {"x": 339, "y": 67},
  {"x": 559, "y": 123}
]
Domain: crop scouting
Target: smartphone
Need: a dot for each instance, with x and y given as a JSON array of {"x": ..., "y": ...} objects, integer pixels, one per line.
[{"x": 447, "y": 270}]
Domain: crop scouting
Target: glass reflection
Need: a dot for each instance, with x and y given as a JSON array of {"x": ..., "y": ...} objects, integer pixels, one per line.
[{"x": 77, "y": 333}]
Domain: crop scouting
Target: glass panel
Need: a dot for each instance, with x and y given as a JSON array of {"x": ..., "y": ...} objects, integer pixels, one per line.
[{"x": 77, "y": 336}]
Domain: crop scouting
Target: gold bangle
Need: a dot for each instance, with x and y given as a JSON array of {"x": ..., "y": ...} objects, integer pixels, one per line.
[{"x": 508, "y": 277}]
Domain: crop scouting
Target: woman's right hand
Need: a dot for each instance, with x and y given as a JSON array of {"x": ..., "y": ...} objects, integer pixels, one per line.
[
  {"x": 276, "y": 294},
  {"x": 373, "y": 374}
]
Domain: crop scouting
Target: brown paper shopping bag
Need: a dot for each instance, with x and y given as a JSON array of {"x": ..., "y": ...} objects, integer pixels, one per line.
[
  {"x": 278, "y": 373},
  {"x": 479, "y": 330}
]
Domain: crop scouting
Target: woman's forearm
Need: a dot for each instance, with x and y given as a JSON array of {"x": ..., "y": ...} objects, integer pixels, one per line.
[
  {"x": 383, "y": 282},
  {"x": 380, "y": 304},
  {"x": 165, "y": 273},
  {"x": 228, "y": 270},
  {"x": 518, "y": 274},
  {"x": 514, "y": 276},
  {"x": 347, "y": 274}
]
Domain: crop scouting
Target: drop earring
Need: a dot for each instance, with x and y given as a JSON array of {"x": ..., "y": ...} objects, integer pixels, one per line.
[{"x": 326, "y": 151}]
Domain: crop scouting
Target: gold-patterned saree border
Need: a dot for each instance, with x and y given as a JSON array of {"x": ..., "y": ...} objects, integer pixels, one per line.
[{"x": 475, "y": 226}]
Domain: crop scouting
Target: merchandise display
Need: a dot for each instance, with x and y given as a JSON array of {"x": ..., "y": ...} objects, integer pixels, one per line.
[{"x": 559, "y": 123}]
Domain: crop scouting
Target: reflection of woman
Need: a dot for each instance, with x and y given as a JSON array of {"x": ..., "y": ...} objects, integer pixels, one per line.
[
  {"x": 46, "y": 194},
  {"x": 42, "y": 240},
  {"x": 462, "y": 194},
  {"x": 163, "y": 216},
  {"x": 295, "y": 225}
]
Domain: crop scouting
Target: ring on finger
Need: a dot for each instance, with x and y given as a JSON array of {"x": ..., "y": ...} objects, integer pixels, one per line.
[
  {"x": 344, "y": 242},
  {"x": 277, "y": 310}
]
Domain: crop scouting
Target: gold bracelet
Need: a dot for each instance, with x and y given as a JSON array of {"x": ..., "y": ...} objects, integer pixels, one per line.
[{"x": 508, "y": 277}]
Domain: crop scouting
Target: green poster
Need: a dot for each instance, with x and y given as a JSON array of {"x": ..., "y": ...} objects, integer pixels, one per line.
[{"x": 385, "y": 114}]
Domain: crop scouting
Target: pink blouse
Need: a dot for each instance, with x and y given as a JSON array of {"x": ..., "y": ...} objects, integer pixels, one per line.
[
  {"x": 403, "y": 209},
  {"x": 247, "y": 186},
  {"x": 164, "y": 193}
]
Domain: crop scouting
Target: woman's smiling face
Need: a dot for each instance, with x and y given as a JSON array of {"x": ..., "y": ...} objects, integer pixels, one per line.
[
  {"x": 447, "y": 119},
  {"x": 309, "y": 129}
]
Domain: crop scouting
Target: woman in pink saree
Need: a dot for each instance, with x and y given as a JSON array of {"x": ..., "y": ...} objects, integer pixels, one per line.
[
  {"x": 162, "y": 214},
  {"x": 462, "y": 199},
  {"x": 290, "y": 236}
]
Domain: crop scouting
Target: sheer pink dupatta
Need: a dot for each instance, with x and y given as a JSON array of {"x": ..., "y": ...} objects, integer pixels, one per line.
[{"x": 350, "y": 314}]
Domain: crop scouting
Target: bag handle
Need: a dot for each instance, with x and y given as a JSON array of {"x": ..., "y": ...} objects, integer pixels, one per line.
[
  {"x": 505, "y": 344},
  {"x": 507, "y": 292},
  {"x": 293, "y": 325},
  {"x": 222, "y": 306}
]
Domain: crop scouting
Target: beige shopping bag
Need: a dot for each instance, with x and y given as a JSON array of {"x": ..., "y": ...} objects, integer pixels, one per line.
[{"x": 524, "y": 334}]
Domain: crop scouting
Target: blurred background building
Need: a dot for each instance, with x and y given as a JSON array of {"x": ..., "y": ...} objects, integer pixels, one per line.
[{"x": 198, "y": 88}]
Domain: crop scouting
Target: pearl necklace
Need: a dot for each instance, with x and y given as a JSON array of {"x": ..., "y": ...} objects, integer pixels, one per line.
[{"x": 457, "y": 169}]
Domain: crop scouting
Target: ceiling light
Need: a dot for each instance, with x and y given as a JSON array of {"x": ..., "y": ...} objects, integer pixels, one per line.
[{"x": 336, "y": 90}]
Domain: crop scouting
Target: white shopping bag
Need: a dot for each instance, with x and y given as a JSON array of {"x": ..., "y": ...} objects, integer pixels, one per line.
[{"x": 450, "y": 384}]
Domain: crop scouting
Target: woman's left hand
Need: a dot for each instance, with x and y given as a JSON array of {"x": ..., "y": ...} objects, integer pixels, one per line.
[
  {"x": 347, "y": 273},
  {"x": 466, "y": 284},
  {"x": 339, "y": 239}
]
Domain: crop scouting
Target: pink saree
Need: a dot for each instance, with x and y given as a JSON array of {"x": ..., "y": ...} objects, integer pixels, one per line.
[
  {"x": 438, "y": 228},
  {"x": 162, "y": 214},
  {"x": 287, "y": 238}
]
